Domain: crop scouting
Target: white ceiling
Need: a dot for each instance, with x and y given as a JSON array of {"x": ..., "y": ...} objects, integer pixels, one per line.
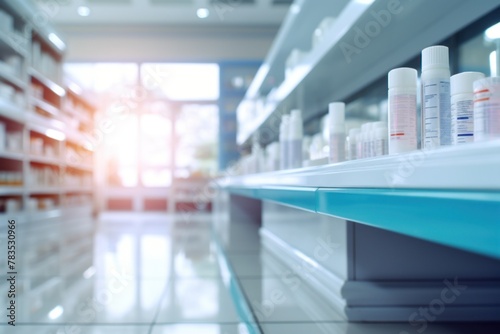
[{"x": 121, "y": 12}]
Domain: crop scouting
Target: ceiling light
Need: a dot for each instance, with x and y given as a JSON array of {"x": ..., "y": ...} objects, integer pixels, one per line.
[
  {"x": 202, "y": 13},
  {"x": 365, "y": 2},
  {"x": 493, "y": 32},
  {"x": 56, "y": 312},
  {"x": 83, "y": 11},
  {"x": 57, "y": 41},
  {"x": 295, "y": 9}
]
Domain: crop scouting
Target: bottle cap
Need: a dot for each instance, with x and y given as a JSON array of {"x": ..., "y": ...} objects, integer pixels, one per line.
[
  {"x": 435, "y": 57},
  {"x": 336, "y": 115},
  {"x": 463, "y": 83},
  {"x": 403, "y": 77}
]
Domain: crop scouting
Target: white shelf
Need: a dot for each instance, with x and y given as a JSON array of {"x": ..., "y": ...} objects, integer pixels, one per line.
[
  {"x": 43, "y": 214},
  {"x": 41, "y": 124},
  {"x": 84, "y": 168},
  {"x": 474, "y": 166},
  {"x": 9, "y": 46},
  {"x": 77, "y": 189},
  {"x": 11, "y": 111},
  {"x": 45, "y": 106},
  {"x": 326, "y": 74},
  {"x": 47, "y": 82},
  {"x": 11, "y": 155},
  {"x": 34, "y": 190},
  {"x": 12, "y": 79},
  {"x": 44, "y": 160},
  {"x": 11, "y": 190}
]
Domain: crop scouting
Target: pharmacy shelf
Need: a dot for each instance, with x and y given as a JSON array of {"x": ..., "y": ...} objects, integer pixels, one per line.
[
  {"x": 9, "y": 46},
  {"x": 46, "y": 82},
  {"x": 11, "y": 155},
  {"x": 44, "y": 160},
  {"x": 34, "y": 190},
  {"x": 12, "y": 79},
  {"x": 42, "y": 124},
  {"x": 440, "y": 198},
  {"x": 12, "y": 112},
  {"x": 83, "y": 168},
  {"x": 78, "y": 189},
  {"x": 38, "y": 215},
  {"x": 45, "y": 106},
  {"x": 11, "y": 190},
  {"x": 342, "y": 73}
]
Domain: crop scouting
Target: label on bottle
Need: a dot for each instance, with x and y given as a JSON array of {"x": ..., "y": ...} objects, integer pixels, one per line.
[
  {"x": 436, "y": 113},
  {"x": 337, "y": 147},
  {"x": 283, "y": 154},
  {"x": 379, "y": 147},
  {"x": 487, "y": 114},
  {"x": 462, "y": 121},
  {"x": 402, "y": 123},
  {"x": 295, "y": 153}
]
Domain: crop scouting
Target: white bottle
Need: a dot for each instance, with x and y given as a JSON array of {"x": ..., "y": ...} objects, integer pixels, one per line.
[
  {"x": 402, "y": 110},
  {"x": 336, "y": 116},
  {"x": 380, "y": 140},
  {"x": 364, "y": 141},
  {"x": 436, "y": 109},
  {"x": 462, "y": 106},
  {"x": 295, "y": 136},
  {"x": 353, "y": 144},
  {"x": 285, "y": 124}
]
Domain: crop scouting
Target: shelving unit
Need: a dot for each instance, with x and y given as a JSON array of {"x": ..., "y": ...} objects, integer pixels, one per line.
[
  {"x": 341, "y": 75},
  {"x": 385, "y": 234},
  {"x": 46, "y": 161},
  {"x": 235, "y": 78}
]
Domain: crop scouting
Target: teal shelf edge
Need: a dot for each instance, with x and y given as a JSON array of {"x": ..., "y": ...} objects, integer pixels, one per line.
[
  {"x": 468, "y": 220},
  {"x": 298, "y": 197},
  {"x": 230, "y": 280},
  {"x": 243, "y": 191}
]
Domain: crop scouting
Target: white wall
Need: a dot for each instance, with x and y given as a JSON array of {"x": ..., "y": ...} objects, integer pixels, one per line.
[{"x": 160, "y": 43}]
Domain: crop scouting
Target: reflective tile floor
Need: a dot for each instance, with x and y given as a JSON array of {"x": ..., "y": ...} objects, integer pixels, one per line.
[{"x": 155, "y": 274}]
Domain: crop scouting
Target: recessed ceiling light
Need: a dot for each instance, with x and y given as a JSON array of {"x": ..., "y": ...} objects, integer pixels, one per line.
[
  {"x": 202, "y": 13},
  {"x": 83, "y": 11},
  {"x": 295, "y": 9},
  {"x": 493, "y": 32}
]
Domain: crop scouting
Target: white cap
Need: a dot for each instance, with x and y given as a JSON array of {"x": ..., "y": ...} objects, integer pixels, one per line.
[
  {"x": 403, "y": 77},
  {"x": 285, "y": 123},
  {"x": 435, "y": 57},
  {"x": 295, "y": 130},
  {"x": 462, "y": 83},
  {"x": 336, "y": 117}
]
